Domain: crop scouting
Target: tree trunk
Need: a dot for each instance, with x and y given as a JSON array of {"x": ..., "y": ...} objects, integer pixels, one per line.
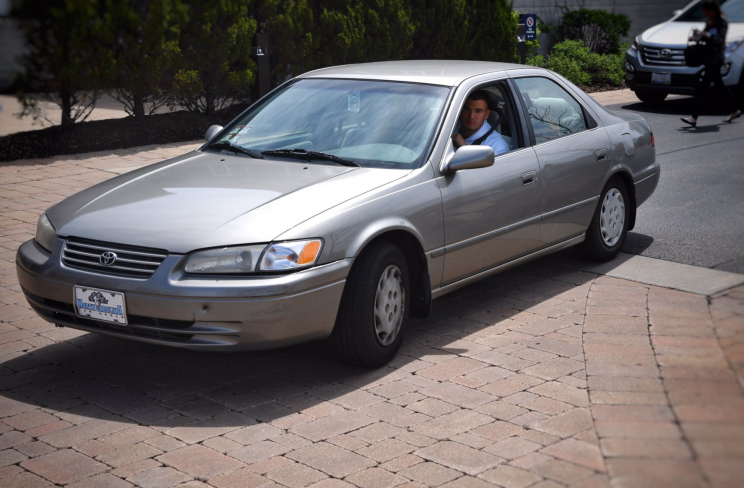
[{"x": 66, "y": 98}]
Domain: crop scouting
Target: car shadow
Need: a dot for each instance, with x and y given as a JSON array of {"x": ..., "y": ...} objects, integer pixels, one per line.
[
  {"x": 636, "y": 243},
  {"x": 91, "y": 376}
]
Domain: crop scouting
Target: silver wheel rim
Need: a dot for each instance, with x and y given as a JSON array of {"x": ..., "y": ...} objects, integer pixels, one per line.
[
  {"x": 390, "y": 301},
  {"x": 612, "y": 217}
]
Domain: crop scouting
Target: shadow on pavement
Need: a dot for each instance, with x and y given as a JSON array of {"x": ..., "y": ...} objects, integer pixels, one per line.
[
  {"x": 91, "y": 376},
  {"x": 682, "y": 106},
  {"x": 636, "y": 243}
]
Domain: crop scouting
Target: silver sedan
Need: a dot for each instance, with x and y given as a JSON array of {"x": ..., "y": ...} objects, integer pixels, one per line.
[{"x": 340, "y": 205}]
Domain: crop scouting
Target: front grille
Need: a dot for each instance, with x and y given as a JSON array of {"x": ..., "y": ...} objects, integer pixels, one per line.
[
  {"x": 670, "y": 57},
  {"x": 132, "y": 262}
]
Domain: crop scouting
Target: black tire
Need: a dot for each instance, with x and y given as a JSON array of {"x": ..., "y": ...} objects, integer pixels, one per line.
[
  {"x": 594, "y": 246},
  {"x": 356, "y": 336},
  {"x": 651, "y": 96}
]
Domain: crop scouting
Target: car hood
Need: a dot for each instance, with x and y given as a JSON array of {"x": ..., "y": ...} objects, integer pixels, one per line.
[
  {"x": 203, "y": 200},
  {"x": 675, "y": 34}
]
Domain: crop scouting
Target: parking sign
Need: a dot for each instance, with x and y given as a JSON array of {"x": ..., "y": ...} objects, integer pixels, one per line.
[{"x": 530, "y": 24}]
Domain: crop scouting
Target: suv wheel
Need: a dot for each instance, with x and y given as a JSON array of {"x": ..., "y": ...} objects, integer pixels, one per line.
[{"x": 650, "y": 96}]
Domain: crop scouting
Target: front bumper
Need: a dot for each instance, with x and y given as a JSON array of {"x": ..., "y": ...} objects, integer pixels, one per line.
[
  {"x": 203, "y": 313},
  {"x": 684, "y": 79}
]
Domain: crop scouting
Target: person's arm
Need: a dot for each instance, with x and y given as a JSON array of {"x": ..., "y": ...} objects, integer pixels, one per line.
[{"x": 458, "y": 141}]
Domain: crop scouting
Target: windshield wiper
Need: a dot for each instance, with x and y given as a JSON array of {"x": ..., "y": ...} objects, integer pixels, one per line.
[
  {"x": 310, "y": 155},
  {"x": 229, "y": 146}
]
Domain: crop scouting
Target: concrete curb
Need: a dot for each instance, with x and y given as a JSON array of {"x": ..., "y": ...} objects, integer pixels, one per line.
[{"x": 667, "y": 274}]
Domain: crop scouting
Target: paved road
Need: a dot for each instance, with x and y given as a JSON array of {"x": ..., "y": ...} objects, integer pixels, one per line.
[{"x": 696, "y": 215}]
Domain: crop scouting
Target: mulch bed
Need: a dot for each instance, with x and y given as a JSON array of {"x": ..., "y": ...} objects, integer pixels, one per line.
[
  {"x": 110, "y": 134},
  {"x": 603, "y": 87}
]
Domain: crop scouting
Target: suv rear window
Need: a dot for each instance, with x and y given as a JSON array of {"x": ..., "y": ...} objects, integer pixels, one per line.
[{"x": 732, "y": 9}]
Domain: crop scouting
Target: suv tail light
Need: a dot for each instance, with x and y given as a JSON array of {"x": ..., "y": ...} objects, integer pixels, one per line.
[{"x": 653, "y": 141}]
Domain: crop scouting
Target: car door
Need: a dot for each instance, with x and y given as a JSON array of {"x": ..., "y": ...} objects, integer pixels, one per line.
[
  {"x": 492, "y": 215},
  {"x": 574, "y": 155}
]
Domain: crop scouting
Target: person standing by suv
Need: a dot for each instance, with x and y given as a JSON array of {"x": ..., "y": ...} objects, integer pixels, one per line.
[{"x": 715, "y": 30}]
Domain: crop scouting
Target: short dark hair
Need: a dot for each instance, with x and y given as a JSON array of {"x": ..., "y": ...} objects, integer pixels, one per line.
[
  {"x": 712, "y": 5},
  {"x": 480, "y": 95}
]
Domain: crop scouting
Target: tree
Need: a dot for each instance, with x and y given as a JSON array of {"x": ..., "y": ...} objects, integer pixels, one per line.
[
  {"x": 63, "y": 61},
  {"x": 143, "y": 36},
  {"x": 482, "y": 30},
  {"x": 216, "y": 47}
]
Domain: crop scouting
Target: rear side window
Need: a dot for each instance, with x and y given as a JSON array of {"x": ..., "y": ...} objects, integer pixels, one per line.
[{"x": 553, "y": 112}]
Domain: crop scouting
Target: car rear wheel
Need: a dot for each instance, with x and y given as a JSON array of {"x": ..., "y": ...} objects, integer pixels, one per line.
[
  {"x": 651, "y": 96},
  {"x": 374, "y": 307},
  {"x": 609, "y": 227}
]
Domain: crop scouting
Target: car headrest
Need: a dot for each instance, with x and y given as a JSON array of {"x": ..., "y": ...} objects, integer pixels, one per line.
[{"x": 494, "y": 119}]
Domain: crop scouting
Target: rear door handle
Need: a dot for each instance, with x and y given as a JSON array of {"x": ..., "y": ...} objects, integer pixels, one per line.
[
  {"x": 529, "y": 177},
  {"x": 601, "y": 155}
]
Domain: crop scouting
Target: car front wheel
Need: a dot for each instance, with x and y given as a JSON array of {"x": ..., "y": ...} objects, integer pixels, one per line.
[
  {"x": 609, "y": 227},
  {"x": 374, "y": 307}
]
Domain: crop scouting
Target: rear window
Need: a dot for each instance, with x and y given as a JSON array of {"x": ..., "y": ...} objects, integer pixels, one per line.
[{"x": 732, "y": 9}]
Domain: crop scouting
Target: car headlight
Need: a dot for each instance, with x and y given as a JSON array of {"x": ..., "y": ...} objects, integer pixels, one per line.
[
  {"x": 46, "y": 236},
  {"x": 636, "y": 42},
  {"x": 281, "y": 256},
  {"x": 226, "y": 260},
  {"x": 734, "y": 45},
  {"x": 291, "y": 255}
]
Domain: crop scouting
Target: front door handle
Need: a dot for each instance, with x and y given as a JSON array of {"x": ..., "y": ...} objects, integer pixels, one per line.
[
  {"x": 529, "y": 177},
  {"x": 601, "y": 155}
]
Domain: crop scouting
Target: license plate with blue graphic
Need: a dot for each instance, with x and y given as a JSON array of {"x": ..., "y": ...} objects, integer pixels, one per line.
[
  {"x": 661, "y": 78},
  {"x": 105, "y": 305}
]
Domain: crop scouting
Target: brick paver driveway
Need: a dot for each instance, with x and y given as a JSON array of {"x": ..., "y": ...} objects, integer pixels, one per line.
[{"x": 542, "y": 377}]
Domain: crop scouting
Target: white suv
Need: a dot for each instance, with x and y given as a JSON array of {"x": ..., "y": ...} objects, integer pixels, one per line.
[{"x": 655, "y": 62}]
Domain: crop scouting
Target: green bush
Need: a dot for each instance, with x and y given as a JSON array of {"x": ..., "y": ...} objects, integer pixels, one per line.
[
  {"x": 574, "y": 61},
  {"x": 143, "y": 36},
  {"x": 64, "y": 60},
  {"x": 216, "y": 45},
  {"x": 600, "y": 30}
]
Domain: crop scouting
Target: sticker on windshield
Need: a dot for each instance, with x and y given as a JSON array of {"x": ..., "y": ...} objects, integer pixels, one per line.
[
  {"x": 242, "y": 131},
  {"x": 233, "y": 133},
  {"x": 355, "y": 101}
]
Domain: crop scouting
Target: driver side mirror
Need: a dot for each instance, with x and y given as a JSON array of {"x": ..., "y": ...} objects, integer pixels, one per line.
[
  {"x": 213, "y": 131},
  {"x": 469, "y": 157}
]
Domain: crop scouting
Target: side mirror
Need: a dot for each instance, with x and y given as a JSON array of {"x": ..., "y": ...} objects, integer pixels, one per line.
[
  {"x": 469, "y": 157},
  {"x": 212, "y": 131}
]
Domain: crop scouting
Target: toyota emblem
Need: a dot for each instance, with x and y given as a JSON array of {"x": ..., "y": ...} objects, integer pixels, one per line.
[
  {"x": 666, "y": 53},
  {"x": 108, "y": 258}
]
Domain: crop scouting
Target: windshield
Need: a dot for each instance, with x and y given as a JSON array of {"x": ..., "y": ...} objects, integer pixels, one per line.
[
  {"x": 732, "y": 9},
  {"x": 372, "y": 123}
]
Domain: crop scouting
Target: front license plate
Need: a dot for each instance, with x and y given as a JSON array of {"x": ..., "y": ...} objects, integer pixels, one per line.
[
  {"x": 661, "y": 78},
  {"x": 105, "y": 305}
]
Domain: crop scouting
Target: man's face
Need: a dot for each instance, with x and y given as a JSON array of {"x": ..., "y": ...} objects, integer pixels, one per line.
[{"x": 474, "y": 114}]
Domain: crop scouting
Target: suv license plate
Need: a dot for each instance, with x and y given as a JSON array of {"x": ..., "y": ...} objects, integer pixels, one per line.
[
  {"x": 661, "y": 78},
  {"x": 104, "y": 305}
]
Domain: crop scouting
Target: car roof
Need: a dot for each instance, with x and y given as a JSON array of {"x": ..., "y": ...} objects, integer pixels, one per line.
[{"x": 434, "y": 72}]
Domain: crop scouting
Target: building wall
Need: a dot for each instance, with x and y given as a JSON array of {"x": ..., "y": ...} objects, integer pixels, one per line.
[{"x": 643, "y": 13}]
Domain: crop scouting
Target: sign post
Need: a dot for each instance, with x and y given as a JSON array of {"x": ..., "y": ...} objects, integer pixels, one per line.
[
  {"x": 261, "y": 52},
  {"x": 521, "y": 46}
]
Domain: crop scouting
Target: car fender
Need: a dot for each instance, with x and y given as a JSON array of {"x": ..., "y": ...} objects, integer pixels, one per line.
[{"x": 412, "y": 205}]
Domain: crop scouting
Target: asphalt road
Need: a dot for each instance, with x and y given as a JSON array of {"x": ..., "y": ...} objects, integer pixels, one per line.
[{"x": 696, "y": 215}]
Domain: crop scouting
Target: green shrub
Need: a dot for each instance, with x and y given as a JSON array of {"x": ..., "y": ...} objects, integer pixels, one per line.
[
  {"x": 600, "y": 30},
  {"x": 574, "y": 61},
  {"x": 216, "y": 46},
  {"x": 64, "y": 59},
  {"x": 143, "y": 36}
]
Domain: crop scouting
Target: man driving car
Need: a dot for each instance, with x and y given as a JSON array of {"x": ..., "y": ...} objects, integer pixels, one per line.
[{"x": 474, "y": 127}]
